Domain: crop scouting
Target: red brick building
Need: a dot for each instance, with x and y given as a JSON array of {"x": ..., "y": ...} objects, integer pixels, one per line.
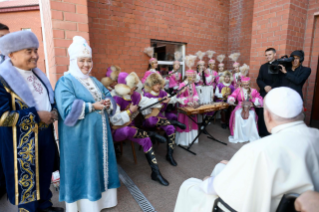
[
  {"x": 119, "y": 30},
  {"x": 23, "y": 15}
]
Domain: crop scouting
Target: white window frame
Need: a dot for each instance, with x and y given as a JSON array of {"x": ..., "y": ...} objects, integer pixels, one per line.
[{"x": 183, "y": 47}]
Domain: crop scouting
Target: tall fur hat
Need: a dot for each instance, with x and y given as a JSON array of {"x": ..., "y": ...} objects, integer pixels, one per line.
[
  {"x": 244, "y": 70},
  {"x": 132, "y": 80},
  {"x": 113, "y": 72},
  {"x": 107, "y": 82},
  {"x": 153, "y": 79},
  {"x": 122, "y": 89},
  {"x": 226, "y": 73},
  {"x": 17, "y": 41}
]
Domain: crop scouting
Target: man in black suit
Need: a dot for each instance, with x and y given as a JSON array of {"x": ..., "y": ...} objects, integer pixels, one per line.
[
  {"x": 266, "y": 82},
  {"x": 296, "y": 76}
]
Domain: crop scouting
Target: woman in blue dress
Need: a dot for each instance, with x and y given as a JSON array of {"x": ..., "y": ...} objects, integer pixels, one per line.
[{"x": 89, "y": 175}]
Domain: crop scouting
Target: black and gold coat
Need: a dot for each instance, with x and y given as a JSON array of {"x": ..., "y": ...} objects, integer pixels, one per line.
[{"x": 27, "y": 146}]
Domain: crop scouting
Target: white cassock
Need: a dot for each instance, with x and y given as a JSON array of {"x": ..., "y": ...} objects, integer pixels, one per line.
[{"x": 260, "y": 173}]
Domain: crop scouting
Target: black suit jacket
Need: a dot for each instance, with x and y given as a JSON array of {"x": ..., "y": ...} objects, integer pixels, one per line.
[{"x": 264, "y": 79}]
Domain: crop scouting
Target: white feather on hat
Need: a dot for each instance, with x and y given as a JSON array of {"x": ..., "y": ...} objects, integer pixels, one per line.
[
  {"x": 234, "y": 56},
  {"x": 177, "y": 56},
  {"x": 244, "y": 70},
  {"x": 200, "y": 55},
  {"x": 221, "y": 58},
  {"x": 190, "y": 61},
  {"x": 210, "y": 54},
  {"x": 149, "y": 51}
]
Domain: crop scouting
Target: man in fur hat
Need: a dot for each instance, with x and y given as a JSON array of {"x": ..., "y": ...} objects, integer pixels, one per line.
[
  {"x": 153, "y": 88},
  {"x": 123, "y": 124},
  {"x": 111, "y": 77},
  {"x": 28, "y": 148}
]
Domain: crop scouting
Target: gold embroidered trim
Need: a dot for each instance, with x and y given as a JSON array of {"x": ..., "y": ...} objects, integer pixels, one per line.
[
  {"x": 140, "y": 134},
  {"x": 36, "y": 131},
  {"x": 9, "y": 119},
  {"x": 23, "y": 210},
  {"x": 15, "y": 154},
  {"x": 162, "y": 122}
]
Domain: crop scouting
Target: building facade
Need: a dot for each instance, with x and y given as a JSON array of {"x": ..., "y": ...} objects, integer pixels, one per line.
[
  {"x": 23, "y": 15},
  {"x": 119, "y": 30}
]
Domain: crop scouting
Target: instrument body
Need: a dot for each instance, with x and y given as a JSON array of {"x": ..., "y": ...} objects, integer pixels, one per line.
[
  {"x": 246, "y": 106},
  {"x": 203, "y": 109}
]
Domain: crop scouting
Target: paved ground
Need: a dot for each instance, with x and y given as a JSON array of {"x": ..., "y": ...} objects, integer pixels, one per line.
[{"x": 163, "y": 198}]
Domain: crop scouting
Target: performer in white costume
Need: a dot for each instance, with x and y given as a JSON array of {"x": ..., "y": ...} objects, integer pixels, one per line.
[{"x": 260, "y": 173}]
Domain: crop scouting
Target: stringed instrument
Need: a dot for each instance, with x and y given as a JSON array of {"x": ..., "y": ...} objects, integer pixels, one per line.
[{"x": 246, "y": 106}]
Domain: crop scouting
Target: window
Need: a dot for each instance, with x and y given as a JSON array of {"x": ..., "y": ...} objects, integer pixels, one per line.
[
  {"x": 164, "y": 53},
  {"x": 26, "y": 29}
]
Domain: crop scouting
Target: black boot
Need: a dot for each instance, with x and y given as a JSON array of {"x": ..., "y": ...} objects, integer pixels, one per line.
[
  {"x": 224, "y": 126},
  {"x": 178, "y": 124},
  {"x": 52, "y": 209},
  {"x": 170, "y": 150},
  {"x": 156, "y": 137},
  {"x": 156, "y": 174}
]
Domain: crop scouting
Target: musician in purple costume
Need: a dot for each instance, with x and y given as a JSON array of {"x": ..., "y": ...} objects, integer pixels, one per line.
[
  {"x": 223, "y": 90},
  {"x": 128, "y": 101},
  {"x": 156, "y": 118}
]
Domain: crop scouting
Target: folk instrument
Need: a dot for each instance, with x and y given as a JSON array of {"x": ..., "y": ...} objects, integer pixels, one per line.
[{"x": 203, "y": 109}]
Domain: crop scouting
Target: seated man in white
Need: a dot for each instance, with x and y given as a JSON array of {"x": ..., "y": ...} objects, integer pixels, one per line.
[{"x": 258, "y": 175}]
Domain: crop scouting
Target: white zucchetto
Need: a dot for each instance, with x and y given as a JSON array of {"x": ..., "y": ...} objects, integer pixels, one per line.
[{"x": 284, "y": 102}]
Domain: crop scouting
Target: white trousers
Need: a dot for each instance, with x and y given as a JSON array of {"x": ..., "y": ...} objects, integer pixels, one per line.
[{"x": 192, "y": 198}]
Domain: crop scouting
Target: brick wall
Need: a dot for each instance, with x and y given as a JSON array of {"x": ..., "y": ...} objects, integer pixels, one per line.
[
  {"x": 69, "y": 18},
  {"x": 270, "y": 29},
  {"x": 240, "y": 29},
  {"x": 311, "y": 48},
  {"x": 121, "y": 30},
  {"x": 26, "y": 19},
  {"x": 45, "y": 12}
]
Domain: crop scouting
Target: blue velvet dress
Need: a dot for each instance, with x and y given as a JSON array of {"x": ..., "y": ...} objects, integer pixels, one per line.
[{"x": 88, "y": 163}]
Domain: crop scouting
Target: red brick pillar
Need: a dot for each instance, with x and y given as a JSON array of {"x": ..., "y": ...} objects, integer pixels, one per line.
[
  {"x": 64, "y": 19},
  {"x": 277, "y": 24}
]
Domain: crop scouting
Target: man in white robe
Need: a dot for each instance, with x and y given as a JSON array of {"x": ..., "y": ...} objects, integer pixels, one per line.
[{"x": 260, "y": 173}]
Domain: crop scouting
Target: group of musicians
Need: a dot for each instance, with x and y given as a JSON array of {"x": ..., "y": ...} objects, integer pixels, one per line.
[{"x": 156, "y": 98}]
